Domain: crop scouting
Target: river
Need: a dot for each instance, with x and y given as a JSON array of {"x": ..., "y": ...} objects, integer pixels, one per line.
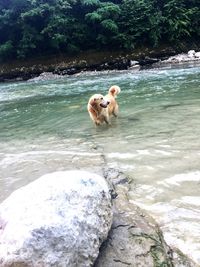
[{"x": 45, "y": 127}]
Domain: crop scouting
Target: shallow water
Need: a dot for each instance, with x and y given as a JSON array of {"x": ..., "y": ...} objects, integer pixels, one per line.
[{"x": 44, "y": 127}]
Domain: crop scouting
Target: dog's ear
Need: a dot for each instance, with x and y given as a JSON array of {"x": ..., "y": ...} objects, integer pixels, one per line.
[{"x": 92, "y": 101}]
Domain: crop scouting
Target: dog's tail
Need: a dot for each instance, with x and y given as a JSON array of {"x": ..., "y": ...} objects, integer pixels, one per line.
[{"x": 114, "y": 90}]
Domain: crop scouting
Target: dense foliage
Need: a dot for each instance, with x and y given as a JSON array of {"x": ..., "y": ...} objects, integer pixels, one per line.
[{"x": 38, "y": 27}]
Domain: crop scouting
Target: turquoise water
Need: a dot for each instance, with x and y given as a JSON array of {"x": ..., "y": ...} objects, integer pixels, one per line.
[{"x": 45, "y": 127}]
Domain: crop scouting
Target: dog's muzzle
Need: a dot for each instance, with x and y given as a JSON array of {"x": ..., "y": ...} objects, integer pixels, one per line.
[{"x": 104, "y": 104}]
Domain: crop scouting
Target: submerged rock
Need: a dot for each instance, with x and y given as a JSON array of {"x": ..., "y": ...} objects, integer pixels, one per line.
[{"x": 61, "y": 219}]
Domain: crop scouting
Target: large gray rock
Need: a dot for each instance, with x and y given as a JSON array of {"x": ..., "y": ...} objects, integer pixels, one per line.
[{"x": 61, "y": 219}]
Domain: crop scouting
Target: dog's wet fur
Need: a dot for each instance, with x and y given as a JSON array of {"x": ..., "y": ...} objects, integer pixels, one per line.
[{"x": 101, "y": 108}]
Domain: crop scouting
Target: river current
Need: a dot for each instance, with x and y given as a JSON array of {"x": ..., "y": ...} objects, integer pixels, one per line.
[{"x": 45, "y": 127}]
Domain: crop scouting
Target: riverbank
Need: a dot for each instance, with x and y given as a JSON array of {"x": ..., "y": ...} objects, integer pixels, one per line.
[{"x": 95, "y": 61}]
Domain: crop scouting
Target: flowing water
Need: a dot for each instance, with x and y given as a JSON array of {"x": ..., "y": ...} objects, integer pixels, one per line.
[{"x": 45, "y": 127}]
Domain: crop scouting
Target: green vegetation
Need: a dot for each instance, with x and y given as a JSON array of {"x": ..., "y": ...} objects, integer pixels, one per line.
[{"x": 31, "y": 28}]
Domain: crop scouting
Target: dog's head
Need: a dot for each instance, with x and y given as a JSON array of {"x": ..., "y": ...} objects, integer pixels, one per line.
[{"x": 99, "y": 100}]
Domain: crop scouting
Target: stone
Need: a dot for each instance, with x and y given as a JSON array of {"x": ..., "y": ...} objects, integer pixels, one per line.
[
  {"x": 148, "y": 61},
  {"x": 59, "y": 220},
  {"x": 197, "y": 54},
  {"x": 133, "y": 63},
  {"x": 191, "y": 53}
]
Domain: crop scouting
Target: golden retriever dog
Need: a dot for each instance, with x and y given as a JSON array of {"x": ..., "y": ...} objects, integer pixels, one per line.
[{"x": 100, "y": 108}]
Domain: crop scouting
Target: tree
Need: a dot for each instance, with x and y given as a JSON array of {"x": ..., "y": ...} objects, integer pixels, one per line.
[
  {"x": 177, "y": 23},
  {"x": 6, "y": 50},
  {"x": 140, "y": 23},
  {"x": 103, "y": 22}
]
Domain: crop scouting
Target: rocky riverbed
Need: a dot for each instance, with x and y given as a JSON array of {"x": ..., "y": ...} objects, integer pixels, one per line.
[{"x": 58, "y": 66}]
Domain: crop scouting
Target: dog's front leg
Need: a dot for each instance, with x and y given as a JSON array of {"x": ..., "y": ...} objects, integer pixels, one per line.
[
  {"x": 97, "y": 122},
  {"x": 106, "y": 119}
]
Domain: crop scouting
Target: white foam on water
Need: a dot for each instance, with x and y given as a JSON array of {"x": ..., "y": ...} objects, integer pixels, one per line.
[
  {"x": 189, "y": 248},
  {"x": 9, "y": 159},
  {"x": 180, "y": 178},
  {"x": 192, "y": 200},
  {"x": 143, "y": 152},
  {"x": 164, "y": 153},
  {"x": 121, "y": 155},
  {"x": 156, "y": 209}
]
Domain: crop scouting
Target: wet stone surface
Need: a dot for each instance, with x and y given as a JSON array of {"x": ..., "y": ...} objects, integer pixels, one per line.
[{"x": 134, "y": 239}]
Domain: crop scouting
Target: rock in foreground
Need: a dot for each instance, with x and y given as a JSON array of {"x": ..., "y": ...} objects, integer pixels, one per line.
[{"x": 60, "y": 219}]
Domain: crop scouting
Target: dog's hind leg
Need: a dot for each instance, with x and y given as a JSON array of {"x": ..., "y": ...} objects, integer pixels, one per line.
[{"x": 115, "y": 111}]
